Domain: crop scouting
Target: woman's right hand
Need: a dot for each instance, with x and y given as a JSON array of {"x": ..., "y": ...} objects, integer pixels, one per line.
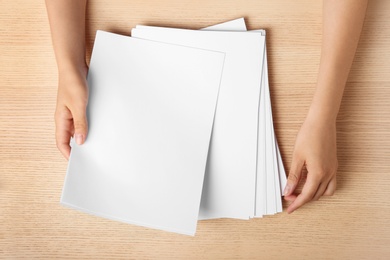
[{"x": 70, "y": 114}]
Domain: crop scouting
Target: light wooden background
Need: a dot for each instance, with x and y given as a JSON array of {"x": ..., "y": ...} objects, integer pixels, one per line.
[{"x": 353, "y": 224}]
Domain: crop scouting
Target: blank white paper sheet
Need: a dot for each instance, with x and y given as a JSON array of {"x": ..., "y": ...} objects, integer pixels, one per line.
[
  {"x": 271, "y": 176},
  {"x": 229, "y": 187},
  {"x": 151, "y": 111}
]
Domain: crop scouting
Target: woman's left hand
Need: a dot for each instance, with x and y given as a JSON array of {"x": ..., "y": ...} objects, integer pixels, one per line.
[{"x": 315, "y": 148}]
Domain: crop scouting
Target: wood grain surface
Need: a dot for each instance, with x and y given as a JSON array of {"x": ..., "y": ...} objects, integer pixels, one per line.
[{"x": 353, "y": 224}]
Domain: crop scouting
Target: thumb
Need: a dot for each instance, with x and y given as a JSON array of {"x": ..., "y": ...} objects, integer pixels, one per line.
[
  {"x": 293, "y": 176},
  {"x": 80, "y": 125}
]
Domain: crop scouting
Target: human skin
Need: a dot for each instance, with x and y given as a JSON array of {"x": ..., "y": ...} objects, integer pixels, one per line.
[
  {"x": 67, "y": 17},
  {"x": 315, "y": 145}
]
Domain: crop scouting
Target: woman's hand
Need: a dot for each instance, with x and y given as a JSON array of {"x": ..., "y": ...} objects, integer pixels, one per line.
[
  {"x": 67, "y": 24},
  {"x": 315, "y": 146},
  {"x": 315, "y": 149},
  {"x": 70, "y": 114}
]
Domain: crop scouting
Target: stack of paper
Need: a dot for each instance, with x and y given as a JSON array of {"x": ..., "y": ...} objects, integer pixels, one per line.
[{"x": 180, "y": 129}]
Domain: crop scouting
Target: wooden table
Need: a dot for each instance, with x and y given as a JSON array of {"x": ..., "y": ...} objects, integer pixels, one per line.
[{"x": 353, "y": 224}]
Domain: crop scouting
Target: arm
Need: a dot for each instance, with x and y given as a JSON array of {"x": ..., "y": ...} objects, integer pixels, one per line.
[
  {"x": 67, "y": 23},
  {"x": 315, "y": 146}
]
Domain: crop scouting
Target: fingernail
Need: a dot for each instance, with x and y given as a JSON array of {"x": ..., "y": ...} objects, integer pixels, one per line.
[
  {"x": 286, "y": 190},
  {"x": 79, "y": 139}
]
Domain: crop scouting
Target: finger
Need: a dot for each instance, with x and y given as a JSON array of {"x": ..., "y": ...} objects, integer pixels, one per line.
[
  {"x": 293, "y": 176},
  {"x": 291, "y": 197},
  {"x": 331, "y": 188},
  {"x": 307, "y": 194},
  {"x": 64, "y": 149},
  {"x": 64, "y": 130},
  {"x": 320, "y": 190},
  {"x": 80, "y": 124}
]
